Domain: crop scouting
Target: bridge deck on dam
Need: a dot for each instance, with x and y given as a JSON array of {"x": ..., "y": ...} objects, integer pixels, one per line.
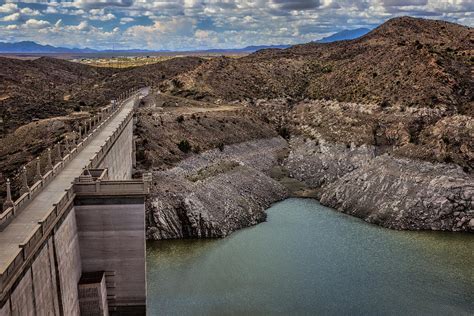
[{"x": 27, "y": 221}]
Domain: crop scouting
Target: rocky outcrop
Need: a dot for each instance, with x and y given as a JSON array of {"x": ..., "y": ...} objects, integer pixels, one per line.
[
  {"x": 317, "y": 163},
  {"x": 215, "y": 193},
  {"x": 405, "y": 194},
  {"x": 393, "y": 192}
]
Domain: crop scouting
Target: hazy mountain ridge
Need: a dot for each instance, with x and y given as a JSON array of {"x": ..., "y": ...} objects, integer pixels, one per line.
[
  {"x": 35, "y": 48},
  {"x": 344, "y": 35}
]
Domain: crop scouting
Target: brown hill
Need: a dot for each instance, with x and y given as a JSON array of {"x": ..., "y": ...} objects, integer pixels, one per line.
[
  {"x": 404, "y": 62},
  {"x": 48, "y": 87}
]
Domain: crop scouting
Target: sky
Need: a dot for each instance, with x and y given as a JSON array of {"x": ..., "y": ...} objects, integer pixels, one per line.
[{"x": 205, "y": 24}]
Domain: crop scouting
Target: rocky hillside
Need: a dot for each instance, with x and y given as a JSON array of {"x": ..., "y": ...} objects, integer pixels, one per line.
[
  {"x": 48, "y": 87},
  {"x": 216, "y": 192},
  {"x": 170, "y": 129},
  {"x": 405, "y": 62},
  {"x": 40, "y": 101},
  {"x": 417, "y": 133}
]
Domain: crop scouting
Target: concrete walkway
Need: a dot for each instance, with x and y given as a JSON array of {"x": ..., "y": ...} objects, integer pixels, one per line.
[{"x": 27, "y": 221}]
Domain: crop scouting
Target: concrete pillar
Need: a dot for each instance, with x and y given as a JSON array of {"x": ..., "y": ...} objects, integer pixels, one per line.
[
  {"x": 24, "y": 182},
  {"x": 50, "y": 160},
  {"x": 38, "y": 176},
  {"x": 80, "y": 132},
  {"x": 8, "y": 201},
  {"x": 58, "y": 153},
  {"x": 66, "y": 145}
]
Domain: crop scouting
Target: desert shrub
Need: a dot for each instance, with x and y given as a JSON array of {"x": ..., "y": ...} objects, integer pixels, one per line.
[
  {"x": 184, "y": 146},
  {"x": 284, "y": 132},
  {"x": 77, "y": 108},
  {"x": 418, "y": 45},
  {"x": 178, "y": 84},
  {"x": 221, "y": 146},
  {"x": 385, "y": 104},
  {"x": 326, "y": 69},
  {"x": 180, "y": 119}
]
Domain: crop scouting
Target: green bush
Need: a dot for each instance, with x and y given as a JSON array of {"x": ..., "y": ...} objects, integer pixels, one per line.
[
  {"x": 184, "y": 146},
  {"x": 284, "y": 132},
  {"x": 221, "y": 146}
]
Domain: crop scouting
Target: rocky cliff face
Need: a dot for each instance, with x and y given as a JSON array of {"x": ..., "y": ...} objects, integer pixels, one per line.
[
  {"x": 393, "y": 192},
  {"x": 317, "y": 162},
  {"x": 216, "y": 192},
  {"x": 405, "y": 194}
]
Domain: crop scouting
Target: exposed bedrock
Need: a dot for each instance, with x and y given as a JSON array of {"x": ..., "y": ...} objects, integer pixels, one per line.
[
  {"x": 216, "y": 192},
  {"x": 316, "y": 162},
  {"x": 397, "y": 193},
  {"x": 406, "y": 194}
]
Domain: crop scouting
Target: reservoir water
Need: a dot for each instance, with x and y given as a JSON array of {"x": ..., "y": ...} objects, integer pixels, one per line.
[{"x": 311, "y": 260}]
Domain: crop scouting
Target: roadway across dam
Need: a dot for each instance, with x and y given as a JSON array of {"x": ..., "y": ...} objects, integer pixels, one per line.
[{"x": 41, "y": 239}]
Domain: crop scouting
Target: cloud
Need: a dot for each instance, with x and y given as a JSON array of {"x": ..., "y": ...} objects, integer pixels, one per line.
[
  {"x": 82, "y": 26},
  {"x": 36, "y": 24},
  {"x": 105, "y": 17},
  {"x": 402, "y": 3},
  {"x": 91, "y": 4},
  {"x": 126, "y": 20},
  {"x": 11, "y": 17},
  {"x": 28, "y": 11},
  {"x": 51, "y": 10},
  {"x": 8, "y": 8},
  {"x": 100, "y": 15},
  {"x": 201, "y": 24},
  {"x": 296, "y": 4}
]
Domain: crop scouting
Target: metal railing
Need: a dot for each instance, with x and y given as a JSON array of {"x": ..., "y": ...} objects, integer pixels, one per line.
[
  {"x": 11, "y": 208},
  {"x": 28, "y": 246}
]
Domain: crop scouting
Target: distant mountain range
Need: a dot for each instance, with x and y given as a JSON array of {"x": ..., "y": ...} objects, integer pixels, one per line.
[
  {"x": 345, "y": 35},
  {"x": 30, "y": 47},
  {"x": 248, "y": 49},
  {"x": 26, "y": 47},
  {"x": 35, "y": 48}
]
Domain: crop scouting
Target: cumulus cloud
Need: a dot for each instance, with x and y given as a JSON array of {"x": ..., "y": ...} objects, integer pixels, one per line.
[
  {"x": 11, "y": 17},
  {"x": 36, "y": 24},
  {"x": 8, "y": 8},
  {"x": 126, "y": 20},
  {"x": 103, "y": 17},
  {"x": 29, "y": 11},
  {"x": 402, "y": 3},
  {"x": 201, "y": 24},
  {"x": 297, "y": 4}
]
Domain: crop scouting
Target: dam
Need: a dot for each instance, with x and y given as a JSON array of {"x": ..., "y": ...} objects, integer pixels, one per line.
[{"x": 73, "y": 243}]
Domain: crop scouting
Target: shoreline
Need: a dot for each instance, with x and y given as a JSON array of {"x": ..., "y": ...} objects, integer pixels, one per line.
[{"x": 231, "y": 189}]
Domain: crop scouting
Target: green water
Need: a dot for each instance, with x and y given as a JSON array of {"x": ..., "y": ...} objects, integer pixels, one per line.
[{"x": 310, "y": 260}]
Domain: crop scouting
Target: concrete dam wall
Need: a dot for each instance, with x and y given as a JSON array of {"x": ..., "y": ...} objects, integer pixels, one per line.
[{"x": 90, "y": 258}]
